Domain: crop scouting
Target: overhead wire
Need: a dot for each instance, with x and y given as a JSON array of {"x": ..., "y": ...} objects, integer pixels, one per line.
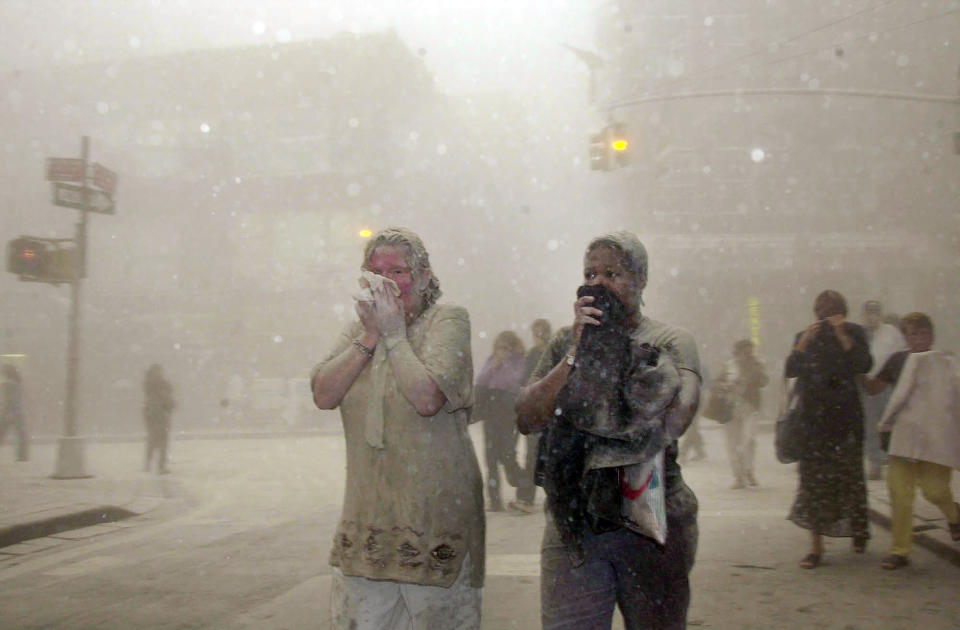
[
  {"x": 766, "y": 49},
  {"x": 899, "y": 27},
  {"x": 657, "y": 94},
  {"x": 836, "y": 44}
]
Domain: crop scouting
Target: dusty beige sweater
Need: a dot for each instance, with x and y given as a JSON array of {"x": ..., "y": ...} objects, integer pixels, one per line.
[{"x": 413, "y": 509}]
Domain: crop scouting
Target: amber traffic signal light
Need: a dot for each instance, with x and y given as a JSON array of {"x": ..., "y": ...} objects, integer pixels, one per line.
[{"x": 610, "y": 149}]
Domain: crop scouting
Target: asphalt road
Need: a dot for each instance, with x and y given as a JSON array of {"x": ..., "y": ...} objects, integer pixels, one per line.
[{"x": 242, "y": 538}]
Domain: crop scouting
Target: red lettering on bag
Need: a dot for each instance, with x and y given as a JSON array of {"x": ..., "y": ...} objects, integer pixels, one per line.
[{"x": 632, "y": 493}]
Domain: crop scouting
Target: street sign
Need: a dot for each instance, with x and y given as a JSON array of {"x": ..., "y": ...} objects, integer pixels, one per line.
[
  {"x": 104, "y": 179},
  {"x": 65, "y": 170},
  {"x": 71, "y": 196}
]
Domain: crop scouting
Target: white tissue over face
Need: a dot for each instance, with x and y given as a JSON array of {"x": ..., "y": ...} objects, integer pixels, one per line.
[{"x": 370, "y": 282}]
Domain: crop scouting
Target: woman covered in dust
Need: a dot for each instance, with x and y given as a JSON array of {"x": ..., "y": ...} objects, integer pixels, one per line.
[
  {"x": 826, "y": 360},
  {"x": 409, "y": 548},
  {"x": 593, "y": 557}
]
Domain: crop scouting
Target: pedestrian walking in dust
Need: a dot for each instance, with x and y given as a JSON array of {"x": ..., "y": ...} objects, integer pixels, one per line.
[
  {"x": 921, "y": 430},
  {"x": 595, "y": 557},
  {"x": 158, "y": 406},
  {"x": 742, "y": 378},
  {"x": 409, "y": 549},
  {"x": 826, "y": 359},
  {"x": 11, "y": 411}
]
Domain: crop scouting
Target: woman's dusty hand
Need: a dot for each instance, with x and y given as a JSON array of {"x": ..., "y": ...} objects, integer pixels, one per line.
[
  {"x": 365, "y": 311},
  {"x": 388, "y": 315},
  {"x": 584, "y": 314}
]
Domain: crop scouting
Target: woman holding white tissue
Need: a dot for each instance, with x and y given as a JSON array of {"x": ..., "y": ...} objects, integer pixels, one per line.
[{"x": 409, "y": 549}]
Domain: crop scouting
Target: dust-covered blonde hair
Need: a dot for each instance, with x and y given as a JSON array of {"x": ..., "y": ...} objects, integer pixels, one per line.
[{"x": 417, "y": 259}]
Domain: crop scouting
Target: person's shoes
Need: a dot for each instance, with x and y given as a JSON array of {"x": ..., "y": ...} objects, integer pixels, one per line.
[
  {"x": 859, "y": 544},
  {"x": 495, "y": 508},
  {"x": 810, "y": 561},
  {"x": 737, "y": 484},
  {"x": 521, "y": 507},
  {"x": 875, "y": 473},
  {"x": 750, "y": 479},
  {"x": 894, "y": 561},
  {"x": 163, "y": 471}
]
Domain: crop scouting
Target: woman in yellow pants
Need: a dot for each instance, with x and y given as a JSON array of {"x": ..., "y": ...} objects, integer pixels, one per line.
[{"x": 920, "y": 431}]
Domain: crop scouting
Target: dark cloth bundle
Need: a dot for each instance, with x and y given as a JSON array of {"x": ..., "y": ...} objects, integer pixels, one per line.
[{"x": 609, "y": 414}]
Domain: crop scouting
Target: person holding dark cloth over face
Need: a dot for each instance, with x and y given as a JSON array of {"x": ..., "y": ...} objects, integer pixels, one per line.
[
  {"x": 592, "y": 560},
  {"x": 826, "y": 359}
]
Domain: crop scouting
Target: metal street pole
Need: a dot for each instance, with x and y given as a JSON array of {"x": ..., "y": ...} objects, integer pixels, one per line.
[{"x": 70, "y": 451}]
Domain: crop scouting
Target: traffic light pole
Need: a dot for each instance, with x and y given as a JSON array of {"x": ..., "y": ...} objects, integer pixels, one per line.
[{"x": 71, "y": 447}]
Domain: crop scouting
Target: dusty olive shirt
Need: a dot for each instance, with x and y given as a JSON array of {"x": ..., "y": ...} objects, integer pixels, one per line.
[{"x": 413, "y": 509}]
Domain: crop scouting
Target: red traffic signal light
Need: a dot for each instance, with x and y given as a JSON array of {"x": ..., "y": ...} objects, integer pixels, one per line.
[
  {"x": 26, "y": 257},
  {"x": 41, "y": 260}
]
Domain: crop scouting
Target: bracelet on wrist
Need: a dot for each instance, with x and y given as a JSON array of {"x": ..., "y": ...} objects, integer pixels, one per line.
[{"x": 362, "y": 348}]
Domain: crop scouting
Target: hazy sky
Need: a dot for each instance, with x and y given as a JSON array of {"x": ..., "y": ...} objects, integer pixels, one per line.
[{"x": 469, "y": 44}]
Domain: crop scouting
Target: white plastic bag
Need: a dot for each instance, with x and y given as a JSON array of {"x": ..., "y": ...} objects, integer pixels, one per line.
[{"x": 644, "y": 498}]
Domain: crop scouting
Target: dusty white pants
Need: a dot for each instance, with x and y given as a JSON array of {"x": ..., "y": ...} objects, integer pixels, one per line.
[
  {"x": 741, "y": 439},
  {"x": 357, "y": 603}
]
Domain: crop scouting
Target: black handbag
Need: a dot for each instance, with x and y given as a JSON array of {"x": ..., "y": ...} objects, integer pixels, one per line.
[
  {"x": 718, "y": 407},
  {"x": 787, "y": 439}
]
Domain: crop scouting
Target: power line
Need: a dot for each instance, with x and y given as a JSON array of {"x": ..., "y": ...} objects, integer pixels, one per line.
[
  {"x": 765, "y": 50},
  {"x": 661, "y": 94},
  {"x": 846, "y": 42}
]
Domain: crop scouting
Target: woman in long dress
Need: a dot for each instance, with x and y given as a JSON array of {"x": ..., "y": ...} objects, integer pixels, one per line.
[{"x": 826, "y": 359}]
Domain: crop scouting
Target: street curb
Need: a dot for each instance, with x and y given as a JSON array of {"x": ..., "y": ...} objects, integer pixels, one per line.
[
  {"x": 950, "y": 553},
  {"x": 62, "y": 523}
]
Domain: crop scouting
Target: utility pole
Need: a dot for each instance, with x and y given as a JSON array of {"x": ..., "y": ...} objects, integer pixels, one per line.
[
  {"x": 70, "y": 447},
  {"x": 70, "y": 462}
]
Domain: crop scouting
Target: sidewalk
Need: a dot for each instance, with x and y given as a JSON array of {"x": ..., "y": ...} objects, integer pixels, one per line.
[
  {"x": 35, "y": 507},
  {"x": 929, "y": 525}
]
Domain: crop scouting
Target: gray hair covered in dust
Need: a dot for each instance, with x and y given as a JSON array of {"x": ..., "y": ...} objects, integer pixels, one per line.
[
  {"x": 631, "y": 251},
  {"x": 417, "y": 259}
]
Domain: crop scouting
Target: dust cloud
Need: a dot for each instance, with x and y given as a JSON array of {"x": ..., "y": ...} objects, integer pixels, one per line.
[{"x": 776, "y": 148}]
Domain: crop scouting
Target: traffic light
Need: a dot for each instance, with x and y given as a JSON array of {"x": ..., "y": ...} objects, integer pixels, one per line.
[
  {"x": 26, "y": 256},
  {"x": 599, "y": 152},
  {"x": 619, "y": 144},
  {"x": 40, "y": 260},
  {"x": 610, "y": 149}
]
